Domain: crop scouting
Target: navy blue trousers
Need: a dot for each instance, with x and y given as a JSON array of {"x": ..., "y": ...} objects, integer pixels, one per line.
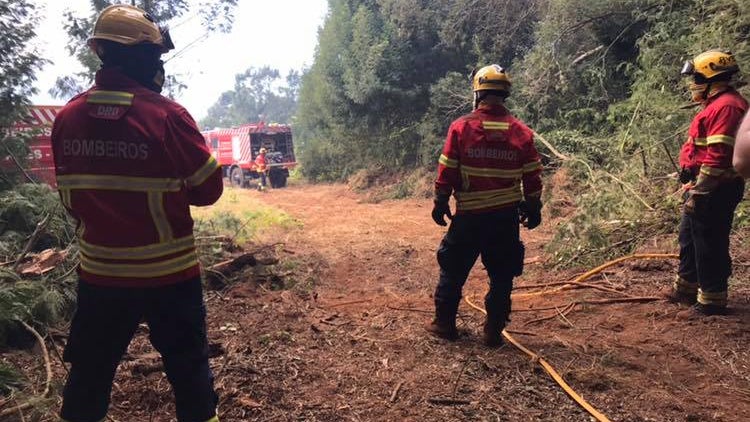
[
  {"x": 704, "y": 239},
  {"x": 104, "y": 324},
  {"x": 495, "y": 237}
]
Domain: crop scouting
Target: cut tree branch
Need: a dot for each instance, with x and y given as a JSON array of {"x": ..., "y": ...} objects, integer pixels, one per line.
[{"x": 40, "y": 226}]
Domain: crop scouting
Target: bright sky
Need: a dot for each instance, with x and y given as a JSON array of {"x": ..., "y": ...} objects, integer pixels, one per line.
[{"x": 278, "y": 33}]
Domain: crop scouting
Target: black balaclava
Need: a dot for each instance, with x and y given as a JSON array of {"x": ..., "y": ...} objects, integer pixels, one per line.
[{"x": 140, "y": 62}]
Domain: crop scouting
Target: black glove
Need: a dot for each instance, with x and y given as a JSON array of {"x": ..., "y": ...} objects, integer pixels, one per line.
[
  {"x": 530, "y": 213},
  {"x": 686, "y": 175},
  {"x": 441, "y": 210}
]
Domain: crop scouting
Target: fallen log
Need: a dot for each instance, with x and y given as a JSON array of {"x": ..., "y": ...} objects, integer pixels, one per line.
[
  {"x": 217, "y": 275},
  {"x": 235, "y": 264}
]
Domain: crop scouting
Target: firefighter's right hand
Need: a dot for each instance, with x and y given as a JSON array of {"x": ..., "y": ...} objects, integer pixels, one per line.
[
  {"x": 530, "y": 213},
  {"x": 440, "y": 211}
]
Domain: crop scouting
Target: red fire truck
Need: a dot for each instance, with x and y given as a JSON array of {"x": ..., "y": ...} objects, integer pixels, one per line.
[
  {"x": 39, "y": 164},
  {"x": 236, "y": 149}
]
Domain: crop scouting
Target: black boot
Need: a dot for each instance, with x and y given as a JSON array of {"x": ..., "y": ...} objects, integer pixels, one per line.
[
  {"x": 493, "y": 329},
  {"x": 498, "y": 314},
  {"x": 443, "y": 329},
  {"x": 444, "y": 323}
]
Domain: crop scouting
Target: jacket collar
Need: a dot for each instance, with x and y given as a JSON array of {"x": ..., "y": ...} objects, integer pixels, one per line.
[
  {"x": 493, "y": 109},
  {"x": 115, "y": 78},
  {"x": 716, "y": 96}
]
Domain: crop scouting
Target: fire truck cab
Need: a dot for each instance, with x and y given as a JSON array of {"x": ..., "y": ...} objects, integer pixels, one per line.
[{"x": 236, "y": 149}]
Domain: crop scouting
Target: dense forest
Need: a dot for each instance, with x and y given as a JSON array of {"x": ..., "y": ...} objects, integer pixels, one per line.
[
  {"x": 598, "y": 80},
  {"x": 389, "y": 75}
]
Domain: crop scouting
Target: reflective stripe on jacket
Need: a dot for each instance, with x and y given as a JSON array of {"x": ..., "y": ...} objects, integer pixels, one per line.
[
  {"x": 129, "y": 163},
  {"x": 489, "y": 161},
  {"x": 710, "y": 143}
]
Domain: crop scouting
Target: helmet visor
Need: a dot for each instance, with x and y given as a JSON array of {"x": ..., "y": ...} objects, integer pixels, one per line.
[
  {"x": 688, "y": 68},
  {"x": 166, "y": 39}
]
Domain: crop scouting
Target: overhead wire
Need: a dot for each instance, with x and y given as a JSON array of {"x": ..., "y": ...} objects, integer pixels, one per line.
[{"x": 188, "y": 47}]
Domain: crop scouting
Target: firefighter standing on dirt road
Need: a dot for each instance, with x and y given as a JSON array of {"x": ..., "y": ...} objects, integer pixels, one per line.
[
  {"x": 129, "y": 163},
  {"x": 261, "y": 164},
  {"x": 490, "y": 165},
  {"x": 713, "y": 187}
]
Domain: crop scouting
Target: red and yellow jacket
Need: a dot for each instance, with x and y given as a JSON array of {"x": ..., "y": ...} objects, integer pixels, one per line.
[
  {"x": 708, "y": 150},
  {"x": 489, "y": 161},
  {"x": 260, "y": 162},
  {"x": 129, "y": 163}
]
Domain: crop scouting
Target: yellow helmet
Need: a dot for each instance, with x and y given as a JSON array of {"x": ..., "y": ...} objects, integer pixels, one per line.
[
  {"x": 490, "y": 78},
  {"x": 711, "y": 64},
  {"x": 129, "y": 25}
]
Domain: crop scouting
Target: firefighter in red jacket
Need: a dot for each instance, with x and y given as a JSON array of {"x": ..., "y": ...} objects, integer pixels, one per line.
[
  {"x": 129, "y": 163},
  {"x": 261, "y": 166},
  {"x": 491, "y": 167},
  {"x": 713, "y": 187}
]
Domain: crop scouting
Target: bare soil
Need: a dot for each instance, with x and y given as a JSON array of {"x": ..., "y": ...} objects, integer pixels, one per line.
[{"x": 351, "y": 346}]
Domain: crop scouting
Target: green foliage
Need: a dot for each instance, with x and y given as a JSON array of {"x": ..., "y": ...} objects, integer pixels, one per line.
[
  {"x": 644, "y": 131},
  {"x": 593, "y": 150},
  {"x": 19, "y": 61},
  {"x": 580, "y": 62},
  {"x": 449, "y": 99},
  {"x": 362, "y": 100},
  {"x": 256, "y": 97},
  {"x": 10, "y": 379},
  {"x": 613, "y": 214},
  {"x": 29, "y": 301},
  {"x": 598, "y": 79},
  {"x": 20, "y": 212},
  {"x": 45, "y": 301},
  {"x": 240, "y": 217}
]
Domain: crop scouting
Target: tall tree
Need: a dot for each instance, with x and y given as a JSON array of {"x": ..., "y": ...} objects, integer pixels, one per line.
[
  {"x": 377, "y": 66},
  {"x": 216, "y": 15},
  {"x": 19, "y": 63},
  {"x": 256, "y": 96}
]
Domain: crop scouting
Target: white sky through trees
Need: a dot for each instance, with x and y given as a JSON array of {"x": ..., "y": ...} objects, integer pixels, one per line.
[{"x": 278, "y": 33}]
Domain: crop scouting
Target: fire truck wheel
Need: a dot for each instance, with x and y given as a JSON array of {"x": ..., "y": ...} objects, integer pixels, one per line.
[
  {"x": 237, "y": 177},
  {"x": 277, "y": 179}
]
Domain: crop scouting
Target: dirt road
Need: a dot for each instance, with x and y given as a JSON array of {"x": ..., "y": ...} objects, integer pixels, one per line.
[{"x": 352, "y": 346}]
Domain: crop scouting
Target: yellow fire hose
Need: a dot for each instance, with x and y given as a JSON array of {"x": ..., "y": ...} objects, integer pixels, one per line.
[
  {"x": 599, "y": 269},
  {"x": 547, "y": 367}
]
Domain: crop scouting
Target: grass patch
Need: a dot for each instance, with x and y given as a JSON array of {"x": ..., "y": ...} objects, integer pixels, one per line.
[{"x": 238, "y": 215}]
